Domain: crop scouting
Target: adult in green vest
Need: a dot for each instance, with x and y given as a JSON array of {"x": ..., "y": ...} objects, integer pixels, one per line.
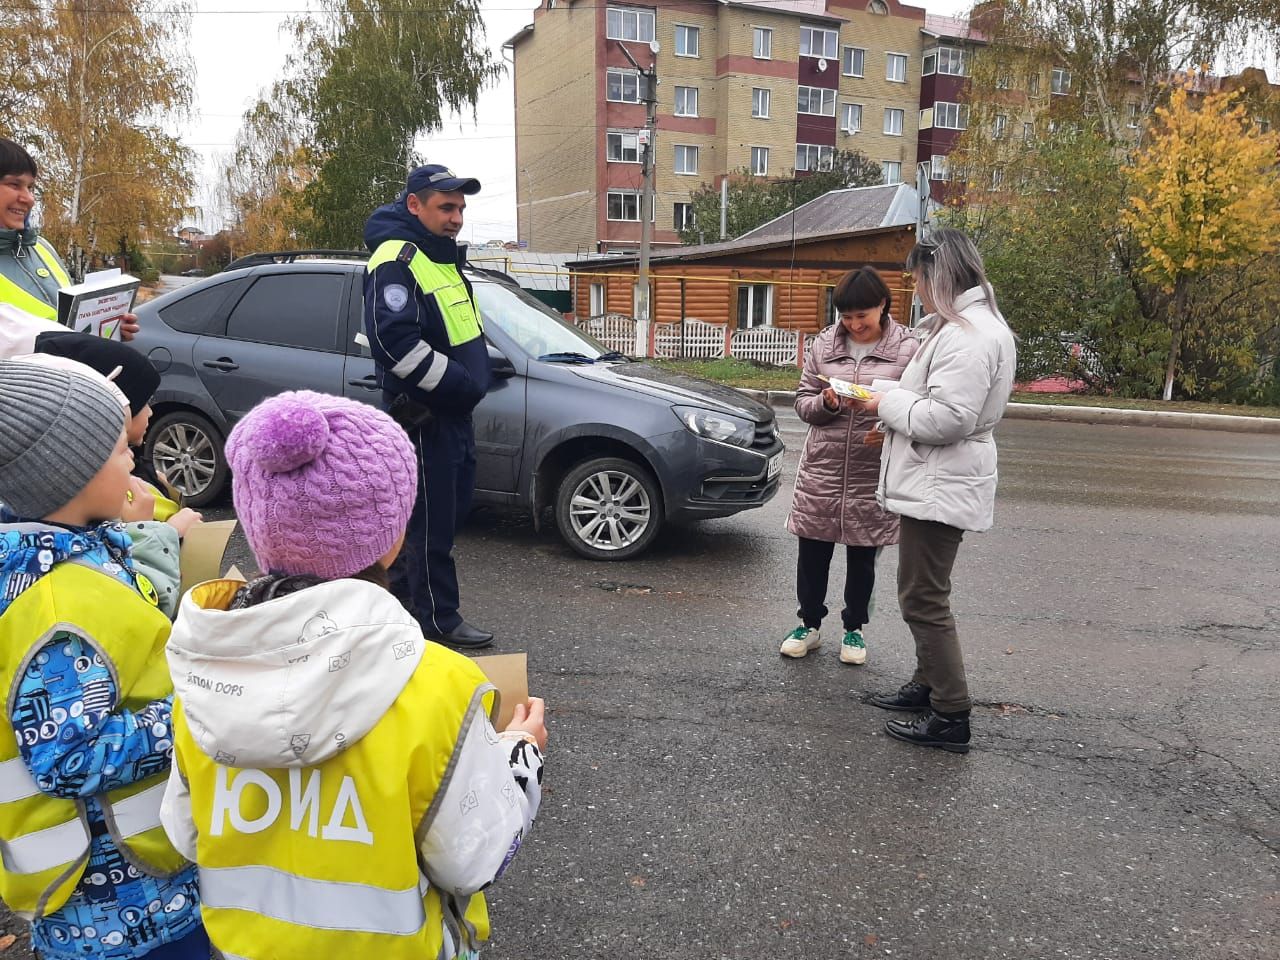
[
  {"x": 433, "y": 365},
  {"x": 31, "y": 271}
]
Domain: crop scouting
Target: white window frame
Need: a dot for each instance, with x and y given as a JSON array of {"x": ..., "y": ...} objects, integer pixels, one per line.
[
  {"x": 619, "y": 32},
  {"x": 762, "y": 43},
  {"x": 943, "y": 56},
  {"x": 689, "y": 31},
  {"x": 845, "y": 110},
  {"x": 761, "y": 97},
  {"x": 596, "y": 299},
  {"x": 689, "y": 215},
  {"x": 999, "y": 127},
  {"x": 760, "y": 169},
  {"x": 889, "y": 114},
  {"x": 682, "y": 151},
  {"x": 1132, "y": 109},
  {"x": 846, "y": 61},
  {"x": 885, "y": 166},
  {"x": 682, "y": 109},
  {"x": 635, "y": 195},
  {"x": 830, "y": 41},
  {"x": 823, "y": 156},
  {"x": 627, "y": 76},
  {"x": 890, "y": 59},
  {"x": 997, "y": 179},
  {"x": 939, "y": 169},
  {"x": 1060, "y": 81},
  {"x": 754, "y": 289},
  {"x": 621, "y": 137},
  {"x": 1004, "y": 81},
  {"x": 826, "y": 101},
  {"x": 1033, "y": 83},
  {"x": 951, "y": 116},
  {"x": 1028, "y": 131}
]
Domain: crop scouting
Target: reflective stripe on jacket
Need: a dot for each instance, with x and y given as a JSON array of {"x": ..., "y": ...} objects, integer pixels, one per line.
[
  {"x": 323, "y": 860},
  {"x": 30, "y": 275},
  {"x": 44, "y": 840},
  {"x": 442, "y": 281}
]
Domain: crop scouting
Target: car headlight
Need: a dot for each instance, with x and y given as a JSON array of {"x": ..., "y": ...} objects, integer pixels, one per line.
[{"x": 717, "y": 426}]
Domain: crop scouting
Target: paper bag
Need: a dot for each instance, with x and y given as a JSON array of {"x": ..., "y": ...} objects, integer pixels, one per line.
[
  {"x": 202, "y": 550},
  {"x": 509, "y": 672}
]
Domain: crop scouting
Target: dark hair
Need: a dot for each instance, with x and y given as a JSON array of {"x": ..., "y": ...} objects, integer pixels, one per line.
[
  {"x": 268, "y": 586},
  {"x": 862, "y": 289},
  {"x": 14, "y": 159}
]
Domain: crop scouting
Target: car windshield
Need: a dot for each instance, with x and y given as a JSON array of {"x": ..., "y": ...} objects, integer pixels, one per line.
[{"x": 537, "y": 328}]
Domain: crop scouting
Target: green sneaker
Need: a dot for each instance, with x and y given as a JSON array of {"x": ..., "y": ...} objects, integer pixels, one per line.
[
  {"x": 800, "y": 641},
  {"x": 853, "y": 649}
]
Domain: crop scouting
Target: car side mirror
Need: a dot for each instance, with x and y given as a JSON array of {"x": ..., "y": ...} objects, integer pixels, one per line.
[{"x": 500, "y": 367}]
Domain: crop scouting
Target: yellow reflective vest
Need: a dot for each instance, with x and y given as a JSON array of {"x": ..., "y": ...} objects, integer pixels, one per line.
[
  {"x": 47, "y": 264},
  {"x": 44, "y": 840},
  {"x": 322, "y": 861},
  {"x": 440, "y": 280}
]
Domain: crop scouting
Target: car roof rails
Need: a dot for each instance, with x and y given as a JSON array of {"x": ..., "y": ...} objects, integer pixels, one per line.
[{"x": 292, "y": 256}]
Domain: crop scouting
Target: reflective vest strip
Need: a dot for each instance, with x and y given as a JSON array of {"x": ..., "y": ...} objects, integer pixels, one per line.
[
  {"x": 140, "y": 812},
  {"x": 442, "y": 281},
  {"x": 15, "y": 781},
  {"x": 50, "y": 258},
  {"x": 29, "y": 302},
  {"x": 322, "y": 904},
  {"x": 45, "y": 849}
]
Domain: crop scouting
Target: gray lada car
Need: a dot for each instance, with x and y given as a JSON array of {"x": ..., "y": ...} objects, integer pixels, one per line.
[{"x": 612, "y": 446}]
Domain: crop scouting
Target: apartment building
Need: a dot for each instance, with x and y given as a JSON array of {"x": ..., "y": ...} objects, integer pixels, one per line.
[{"x": 769, "y": 87}]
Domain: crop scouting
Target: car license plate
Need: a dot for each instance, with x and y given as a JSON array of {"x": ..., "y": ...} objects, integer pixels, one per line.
[{"x": 775, "y": 466}]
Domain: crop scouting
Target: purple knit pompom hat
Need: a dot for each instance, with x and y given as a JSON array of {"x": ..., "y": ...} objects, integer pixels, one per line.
[{"x": 321, "y": 484}]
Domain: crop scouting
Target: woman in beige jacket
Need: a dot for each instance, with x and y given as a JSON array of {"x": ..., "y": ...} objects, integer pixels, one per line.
[{"x": 938, "y": 472}]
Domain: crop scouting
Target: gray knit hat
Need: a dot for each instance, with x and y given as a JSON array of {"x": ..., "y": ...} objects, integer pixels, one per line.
[{"x": 57, "y": 430}]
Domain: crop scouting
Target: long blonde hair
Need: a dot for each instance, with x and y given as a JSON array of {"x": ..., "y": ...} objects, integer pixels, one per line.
[{"x": 946, "y": 265}]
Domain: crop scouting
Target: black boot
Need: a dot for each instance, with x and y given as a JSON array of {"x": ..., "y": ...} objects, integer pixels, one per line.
[
  {"x": 948, "y": 731},
  {"x": 911, "y": 697}
]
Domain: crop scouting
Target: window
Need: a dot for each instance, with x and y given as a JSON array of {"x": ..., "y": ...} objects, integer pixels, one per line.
[
  {"x": 1033, "y": 83},
  {"x": 627, "y": 23},
  {"x": 811, "y": 156},
  {"x": 686, "y": 159},
  {"x": 623, "y": 147},
  {"x": 947, "y": 60},
  {"x": 1060, "y": 81},
  {"x": 686, "y": 41},
  {"x": 760, "y": 98},
  {"x": 760, "y": 161},
  {"x": 290, "y": 309},
  {"x": 1133, "y": 115},
  {"x": 762, "y": 43},
  {"x": 893, "y": 122},
  {"x": 682, "y": 216},
  {"x": 1028, "y": 131},
  {"x": 200, "y": 312},
  {"x": 925, "y": 121},
  {"x": 999, "y": 126},
  {"x": 817, "y": 101},
  {"x": 878, "y": 6},
  {"x": 950, "y": 116},
  {"x": 1004, "y": 82},
  {"x": 938, "y": 169},
  {"x": 622, "y": 86},
  {"x": 755, "y": 305},
  {"x": 853, "y": 61},
  {"x": 896, "y": 67},
  {"x": 851, "y": 117},
  {"x": 624, "y": 205},
  {"x": 686, "y": 101},
  {"x": 891, "y": 172},
  {"x": 597, "y": 299},
  {"x": 997, "y": 178},
  {"x": 818, "y": 42}
]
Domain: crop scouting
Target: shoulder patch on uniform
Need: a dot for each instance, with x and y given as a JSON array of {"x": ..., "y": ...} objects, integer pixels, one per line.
[
  {"x": 406, "y": 253},
  {"x": 395, "y": 296}
]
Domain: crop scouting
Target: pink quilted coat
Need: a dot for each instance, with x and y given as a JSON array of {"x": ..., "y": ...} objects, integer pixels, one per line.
[{"x": 835, "y": 492}]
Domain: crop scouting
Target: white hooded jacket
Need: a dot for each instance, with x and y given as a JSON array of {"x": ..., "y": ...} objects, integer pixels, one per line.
[{"x": 295, "y": 680}]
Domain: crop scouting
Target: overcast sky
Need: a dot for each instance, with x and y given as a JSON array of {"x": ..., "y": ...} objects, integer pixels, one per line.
[{"x": 238, "y": 49}]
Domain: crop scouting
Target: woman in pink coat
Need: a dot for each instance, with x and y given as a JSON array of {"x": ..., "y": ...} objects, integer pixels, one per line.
[{"x": 835, "y": 492}]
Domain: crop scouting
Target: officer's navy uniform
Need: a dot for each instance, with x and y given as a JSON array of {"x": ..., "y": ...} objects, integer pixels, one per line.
[{"x": 418, "y": 310}]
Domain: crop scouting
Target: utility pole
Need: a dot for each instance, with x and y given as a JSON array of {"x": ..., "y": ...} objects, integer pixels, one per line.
[{"x": 649, "y": 95}]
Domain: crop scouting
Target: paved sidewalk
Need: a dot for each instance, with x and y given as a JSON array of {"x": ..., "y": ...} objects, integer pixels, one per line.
[{"x": 1108, "y": 415}]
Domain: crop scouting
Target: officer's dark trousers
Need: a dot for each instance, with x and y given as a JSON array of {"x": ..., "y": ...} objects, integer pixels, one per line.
[{"x": 423, "y": 577}]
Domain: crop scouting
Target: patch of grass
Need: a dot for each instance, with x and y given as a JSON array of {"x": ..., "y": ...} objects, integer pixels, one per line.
[
  {"x": 737, "y": 373},
  {"x": 1125, "y": 403}
]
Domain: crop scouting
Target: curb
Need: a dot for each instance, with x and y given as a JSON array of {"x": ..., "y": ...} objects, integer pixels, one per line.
[{"x": 1104, "y": 415}]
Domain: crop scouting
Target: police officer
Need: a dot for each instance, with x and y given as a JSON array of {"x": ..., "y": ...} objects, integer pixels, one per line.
[{"x": 433, "y": 365}]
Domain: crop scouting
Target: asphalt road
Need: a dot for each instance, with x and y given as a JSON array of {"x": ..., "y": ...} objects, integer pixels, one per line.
[{"x": 709, "y": 799}]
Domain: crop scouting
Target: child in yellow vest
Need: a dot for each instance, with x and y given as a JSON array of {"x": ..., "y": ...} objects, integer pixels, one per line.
[{"x": 336, "y": 776}]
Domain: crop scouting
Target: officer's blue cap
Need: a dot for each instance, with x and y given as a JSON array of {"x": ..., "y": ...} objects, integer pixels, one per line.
[{"x": 435, "y": 176}]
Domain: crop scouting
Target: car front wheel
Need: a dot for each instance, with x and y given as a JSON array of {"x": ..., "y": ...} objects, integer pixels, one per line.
[
  {"x": 187, "y": 449},
  {"x": 609, "y": 508}
]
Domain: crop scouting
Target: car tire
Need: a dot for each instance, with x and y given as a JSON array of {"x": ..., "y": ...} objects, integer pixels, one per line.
[
  {"x": 608, "y": 508},
  {"x": 187, "y": 449}
]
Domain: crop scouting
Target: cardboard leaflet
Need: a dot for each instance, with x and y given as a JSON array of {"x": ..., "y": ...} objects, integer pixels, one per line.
[
  {"x": 98, "y": 305},
  {"x": 202, "y": 550},
  {"x": 509, "y": 672}
]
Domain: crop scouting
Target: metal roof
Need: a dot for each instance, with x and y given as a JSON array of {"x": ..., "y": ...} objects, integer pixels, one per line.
[
  {"x": 844, "y": 211},
  {"x": 533, "y": 271}
]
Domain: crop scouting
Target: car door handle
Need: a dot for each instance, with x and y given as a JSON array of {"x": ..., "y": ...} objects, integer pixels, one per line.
[
  {"x": 222, "y": 363},
  {"x": 369, "y": 383}
]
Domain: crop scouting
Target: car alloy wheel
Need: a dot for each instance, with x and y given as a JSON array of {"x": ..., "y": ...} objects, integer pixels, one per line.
[
  {"x": 609, "y": 509},
  {"x": 187, "y": 450}
]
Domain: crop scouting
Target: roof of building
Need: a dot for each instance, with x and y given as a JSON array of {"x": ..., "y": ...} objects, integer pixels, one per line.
[
  {"x": 706, "y": 251},
  {"x": 951, "y": 28},
  {"x": 533, "y": 271},
  {"x": 815, "y": 9},
  {"x": 843, "y": 211}
]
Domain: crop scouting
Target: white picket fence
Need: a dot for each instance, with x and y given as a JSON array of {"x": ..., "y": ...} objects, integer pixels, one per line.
[
  {"x": 767, "y": 345},
  {"x": 700, "y": 340},
  {"x": 614, "y": 330}
]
